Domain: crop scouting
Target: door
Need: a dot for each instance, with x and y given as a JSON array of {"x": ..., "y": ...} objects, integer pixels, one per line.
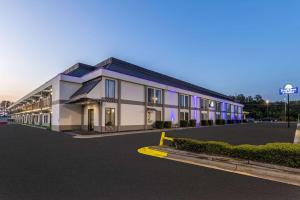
[{"x": 90, "y": 119}]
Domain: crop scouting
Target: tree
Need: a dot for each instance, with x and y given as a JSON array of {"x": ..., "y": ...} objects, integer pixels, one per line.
[
  {"x": 258, "y": 98},
  {"x": 241, "y": 98}
]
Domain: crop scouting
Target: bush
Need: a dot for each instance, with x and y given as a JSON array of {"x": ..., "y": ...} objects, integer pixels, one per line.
[
  {"x": 192, "y": 123},
  {"x": 184, "y": 123},
  {"x": 229, "y": 121},
  {"x": 285, "y": 154},
  {"x": 167, "y": 124},
  {"x": 210, "y": 122},
  {"x": 220, "y": 121},
  {"x": 159, "y": 124},
  {"x": 245, "y": 121},
  {"x": 204, "y": 122}
]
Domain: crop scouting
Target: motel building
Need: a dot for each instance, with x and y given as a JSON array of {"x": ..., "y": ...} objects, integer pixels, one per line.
[{"x": 115, "y": 95}]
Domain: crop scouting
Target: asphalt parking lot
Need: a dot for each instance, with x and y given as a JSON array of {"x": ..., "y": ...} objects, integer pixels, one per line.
[{"x": 41, "y": 164}]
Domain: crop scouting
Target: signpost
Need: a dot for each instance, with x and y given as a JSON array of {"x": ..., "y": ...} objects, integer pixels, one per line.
[{"x": 288, "y": 89}]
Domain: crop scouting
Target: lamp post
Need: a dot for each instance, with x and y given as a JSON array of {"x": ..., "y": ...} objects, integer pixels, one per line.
[
  {"x": 284, "y": 109},
  {"x": 267, "y": 102},
  {"x": 288, "y": 89}
]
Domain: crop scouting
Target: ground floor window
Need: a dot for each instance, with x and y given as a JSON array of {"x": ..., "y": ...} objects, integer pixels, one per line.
[
  {"x": 109, "y": 117},
  {"x": 158, "y": 115},
  {"x": 228, "y": 116},
  {"x": 204, "y": 116},
  {"x": 218, "y": 115},
  {"x": 184, "y": 116},
  {"x": 45, "y": 119}
]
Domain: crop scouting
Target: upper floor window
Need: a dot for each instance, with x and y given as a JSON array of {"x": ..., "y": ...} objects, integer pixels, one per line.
[
  {"x": 212, "y": 104},
  {"x": 204, "y": 103},
  {"x": 154, "y": 95},
  {"x": 218, "y": 106},
  {"x": 228, "y": 107},
  {"x": 183, "y": 100},
  {"x": 110, "y": 88},
  {"x": 239, "y": 109}
]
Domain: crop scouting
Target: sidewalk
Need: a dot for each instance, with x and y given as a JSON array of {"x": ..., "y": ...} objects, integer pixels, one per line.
[
  {"x": 244, "y": 167},
  {"x": 99, "y": 135}
]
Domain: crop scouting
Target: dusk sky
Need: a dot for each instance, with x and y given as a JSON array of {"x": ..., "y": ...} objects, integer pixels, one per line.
[{"x": 233, "y": 47}]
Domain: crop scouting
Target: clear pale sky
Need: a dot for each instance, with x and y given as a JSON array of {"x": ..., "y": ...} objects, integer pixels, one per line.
[{"x": 249, "y": 47}]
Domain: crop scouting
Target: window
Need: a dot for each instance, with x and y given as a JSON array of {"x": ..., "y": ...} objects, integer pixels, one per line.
[
  {"x": 45, "y": 119},
  {"x": 211, "y": 104},
  {"x": 109, "y": 117},
  {"x": 154, "y": 95},
  {"x": 228, "y": 116},
  {"x": 235, "y": 109},
  {"x": 239, "y": 109},
  {"x": 183, "y": 100},
  {"x": 109, "y": 88},
  {"x": 158, "y": 96},
  {"x": 184, "y": 116},
  {"x": 228, "y": 108},
  {"x": 205, "y": 104},
  {"x": 204, "y": 116},
  {"x": 218, "y": 106},
  {"x": 158, "y": 115}
]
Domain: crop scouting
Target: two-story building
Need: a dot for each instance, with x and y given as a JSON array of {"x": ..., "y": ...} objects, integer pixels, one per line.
[{"x": 115, "y": 95}]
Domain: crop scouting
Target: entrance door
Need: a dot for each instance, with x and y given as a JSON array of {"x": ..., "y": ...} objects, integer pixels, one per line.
[{"x": 90, "y": 119}]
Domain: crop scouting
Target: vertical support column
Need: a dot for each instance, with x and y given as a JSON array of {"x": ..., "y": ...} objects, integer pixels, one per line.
[
  {"x": 50, "y": 120},
  {"x": 178, "y": 109},
  {"x": 82, "y": 117},
  {"x": 163, "y": 105},
  {"x": 190, "y": 104},
  {"x": 119, "y": 106},
  {"x": 100, "y": 116},
  {"x": 145, "y": 107}
]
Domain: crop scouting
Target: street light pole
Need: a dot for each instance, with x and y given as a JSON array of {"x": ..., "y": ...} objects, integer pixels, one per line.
[
  {"x": 267, "y": 102},
  {"x": 284, "y": 109},
  {"x": 288, "y": 110}
]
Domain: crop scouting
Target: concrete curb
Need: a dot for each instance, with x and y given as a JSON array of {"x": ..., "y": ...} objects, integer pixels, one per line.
[
  {"x": 100, "y": 135},
  {"x": 244, "y": 167}
]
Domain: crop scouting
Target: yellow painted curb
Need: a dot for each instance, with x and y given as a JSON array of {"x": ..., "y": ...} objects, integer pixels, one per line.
[{"x": 152, "y": 152}]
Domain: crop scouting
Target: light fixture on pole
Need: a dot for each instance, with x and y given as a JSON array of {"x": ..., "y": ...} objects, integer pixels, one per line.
[
  {"x": 267, "y": 102},
  {"x": 288, "y": 89}
]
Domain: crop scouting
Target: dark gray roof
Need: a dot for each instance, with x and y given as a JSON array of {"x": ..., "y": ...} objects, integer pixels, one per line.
[
  {"x": 123, "y": 67},
  {"x": 86, "y": 87},
  {"x": 79, "y": 70}
]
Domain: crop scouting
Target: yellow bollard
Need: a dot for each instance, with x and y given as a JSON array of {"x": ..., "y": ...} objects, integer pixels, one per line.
[{"x": 161, "y": 142}]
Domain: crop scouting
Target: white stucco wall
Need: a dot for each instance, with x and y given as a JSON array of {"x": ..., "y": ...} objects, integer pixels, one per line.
[
  {"x": 131, "y": 91},
  {"x": 171, "y": 114},
  {"x": 132, "y": 115},
  {"x": 171, "y": 98},
  {"x": 70, "y": 114}
]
